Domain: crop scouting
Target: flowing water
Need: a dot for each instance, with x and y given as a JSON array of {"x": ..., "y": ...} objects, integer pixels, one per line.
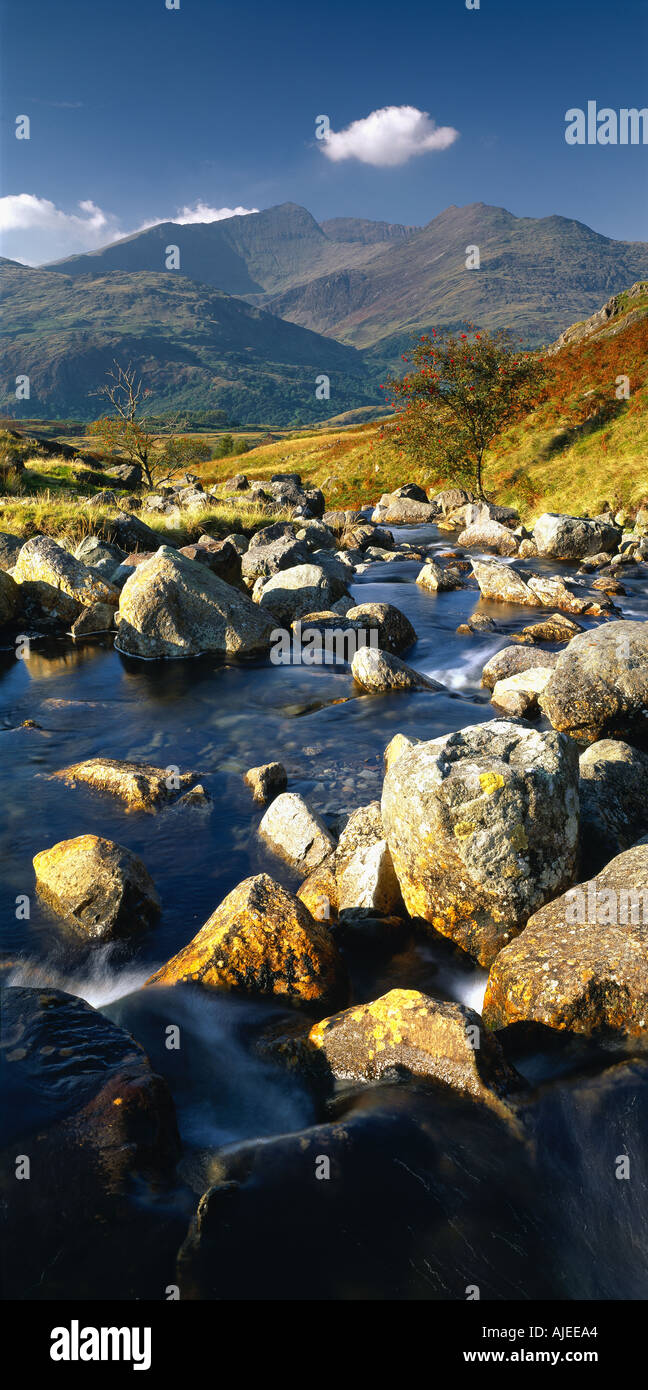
[{"x": 219, "y": 719}]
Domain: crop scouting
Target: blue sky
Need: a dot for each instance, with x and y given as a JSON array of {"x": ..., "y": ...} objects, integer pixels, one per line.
[{"x": 138, "y": 111}]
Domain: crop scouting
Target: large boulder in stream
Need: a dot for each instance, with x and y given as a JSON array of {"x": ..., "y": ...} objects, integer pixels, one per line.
[
  {"x": 84, "y": 1110},
  {"x": 510, "y": 661},
  {"x": 482, "y": 825},
  {"x": 599, "y": 686},
  {"x": 98, "y": 887},
  {"x": 298, "y": 590},
  {"x": 613, "y": 800},
  {"x": 141, "y": 786},
  {"x": 486, "y": 534},
  {"x": 263, "y": 940},
  {"x": 174, "y": 607},
  {"x": 581, "y": 962},
  {"x": 503, "y": 584},
  {"x": 573, "y": 537},
  {"x": 396, "y": 510},
  {"x": 379, "y": 672}
]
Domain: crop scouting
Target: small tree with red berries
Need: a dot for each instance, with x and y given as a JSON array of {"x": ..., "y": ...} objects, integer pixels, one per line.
[{"x": 462, "y": 392}]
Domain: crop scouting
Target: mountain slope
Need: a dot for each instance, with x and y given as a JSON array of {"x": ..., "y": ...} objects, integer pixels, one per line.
[
  {"x": 256, "y": 254},
  {"x": 194, "y": 346},
  {"x": 535, "y": 276}
]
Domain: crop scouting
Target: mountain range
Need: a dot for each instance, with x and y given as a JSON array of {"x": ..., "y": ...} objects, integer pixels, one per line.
[{"x": 264, "y": 303}]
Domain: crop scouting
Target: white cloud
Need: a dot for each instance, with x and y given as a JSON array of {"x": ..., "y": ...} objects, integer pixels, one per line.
[
  {"x": 201, "y": 212},
  {"x": 34, "y": 230},
  {"x": 388, "y": 137}
]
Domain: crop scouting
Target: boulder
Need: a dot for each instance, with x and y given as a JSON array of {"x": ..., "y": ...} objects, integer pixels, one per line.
[
  {"x": 262, "y": 940},
  {"x": 482, "y": 825},
  {"x": 127, "y": 475},
  {"x": 574, "y": 537},
  {"x": 557, "y": 628},
  {"x": 377, "y": 672},
  {"x": 581, "y": 962},
  {"x": 403, "y": 511},
  {"x": 437, "y": 577},
  {"x": 363, "y": 865},
  {"x": 599, "y": 687},
  {"x": 452, "y": 498},
  {"x": 267, "y": 781},
  {"x": 295, "y": 591},
  {"x": 50, "y": 571},
  {"x": 613, "y": 800},
  {"x": 10, "y": 601},
  {"x": 488, "y": 535},
  {"x": 408, "y": 1032},
  {"x": 98, "y": 887},
  {"x": 398, "y": 745},
  {"x": 296, "y": 833},
  {"x": 221, "y": 557},
  {"x": 503, "y": 584},
  {"x": 81, "y": 1100},
  {"x": 173, "y": 607},
  {"x": 100, "y": 617},
  {"x": 413, "y": 491},
  {"x": 128, "y": 532},
  {"x": 518, "y": 694},
  {"x": 319, "y": 891},
  {"x": 141, "y": 786},
  {"x": 263, "y": 561},
  {"x": 511, "y": 660},
  {"x": 100, "y": 555},
  {"x": 9, "y": 549},
  {"x": 394, "y": 631}
]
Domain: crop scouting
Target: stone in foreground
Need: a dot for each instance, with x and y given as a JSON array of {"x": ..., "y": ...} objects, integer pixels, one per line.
[
  {"x": 582, "y": 961},
  {"x": 174, "y": 607},
  {"x": 512, "y": 660},
  {"x": 262, "y": 940},
  {"x": 599, "y": 685},
  {"x": 410, "y": 1032},
  {"x": 613, "y": 800},
  {"x": 377, "y": 672},
  {"x": 141, "y": 786},
  {"x": 267, "y": 781},
  {"x": 518, "y": 695},
  {"x": 482, "y": 825},
  {"x": 296, "y": 833},
  {"x": 363, "y": 865},
  {"x": 99, "y": 887}
]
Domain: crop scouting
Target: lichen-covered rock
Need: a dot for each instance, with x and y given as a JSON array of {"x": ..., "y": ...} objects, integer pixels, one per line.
[
  {"x": 599, "y": 686},
  {"x": 378, "y": 672},
  {"x": 263, "y": 561},
  {"x": 511, "y": 660},
  {"x": 503, "y": 584},
  {"x": 486, "y": 534},
  {"x": 296, "y": 833},
  {"x": 82, "y": 1102},
  {"x": 51, "y": 573},
  {"x": 436, "y": 578},
  {"x": 267, "y": 781},
  {"x": 174, "y": 607},
  {"x": 557, "y": 628},
  {"x": 482, "y": 825},
  {"x": 581, "y": 962},
  {"x": 298, "y": 590},
  {"x": 518, "y": 694},
  {"x": 395, "y": 631},
  {"x": 262, "y": 940},
  {"x": 409, "y": 1032},
  {"x": 141, "y": 786},
  {"x": 363, "y": 864},
  {"x": 613, "y": 800},
  {"x": 10, "y": 603},
  {"x": 98, "y": 887},
  {"x": 574, "y": 537}
]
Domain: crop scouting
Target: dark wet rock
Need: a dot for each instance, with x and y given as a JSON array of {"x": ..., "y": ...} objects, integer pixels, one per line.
[
  {"x": 141, "y": 786},
  {"x": 221, "y": 557},
  {"x": 83, "y": 1105},
  {"x": 9, "y": 549},
  {"x": 262, "y": 940},
  {"x": 267, "y": 781},
  {"x": 613, "y": 800},
  {"x": 98, "y": 887},
  {"x": 10, "y": 599},
  {"x": 574, "y": 537},
  {"x": 582, "y": 961},
  {"x": 379, "y": 672},
  {"x": 599, "y": 687},
  {"x": 511, "y": 660},
  {"x": 394, "y": 630},
  {"x": 100, "y": 617},
  {"x": 173, "y": 607},
  {"x": 482, "y": 825},
  {"x": 294, "y": 832}
]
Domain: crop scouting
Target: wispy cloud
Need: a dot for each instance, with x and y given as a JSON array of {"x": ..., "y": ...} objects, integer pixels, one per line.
[
  {"x": 388, "y": 137},
  {"x": 34, "y": 230}
]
